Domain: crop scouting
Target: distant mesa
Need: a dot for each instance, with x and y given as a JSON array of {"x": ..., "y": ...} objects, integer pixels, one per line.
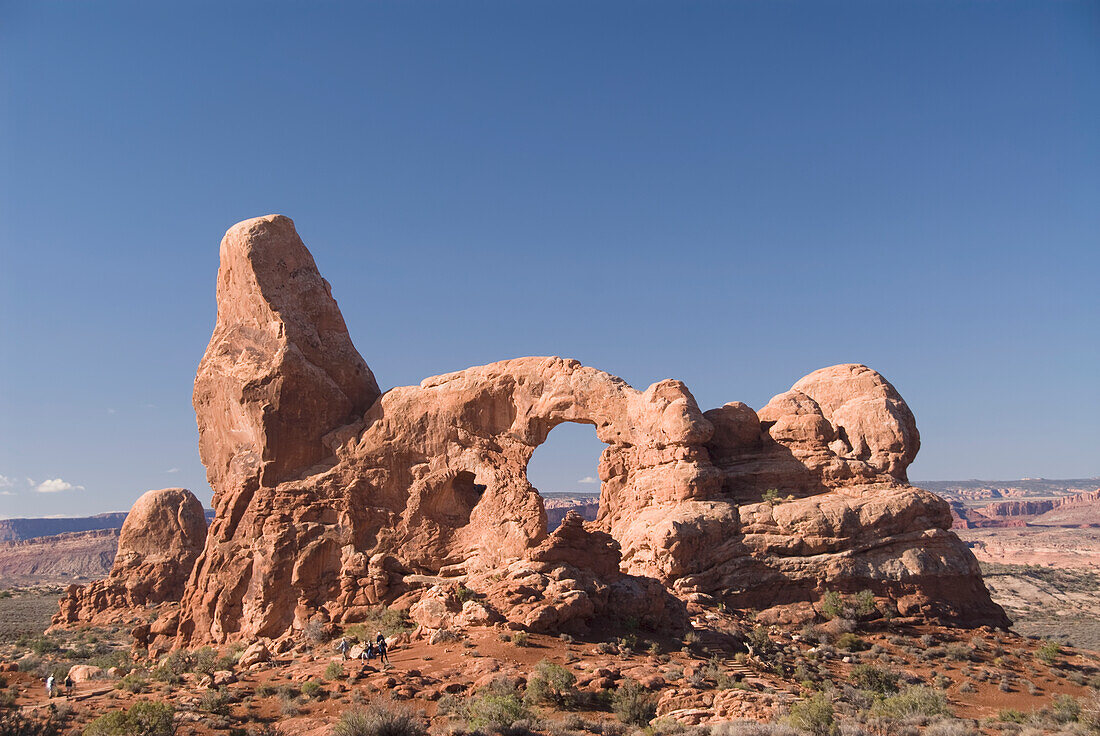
[{"x": 331, "y": 497}]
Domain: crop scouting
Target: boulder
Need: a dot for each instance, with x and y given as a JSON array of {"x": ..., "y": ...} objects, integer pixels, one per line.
[
  {"x": 84, "y": 672},
  {"x": 255, "y": 653}
]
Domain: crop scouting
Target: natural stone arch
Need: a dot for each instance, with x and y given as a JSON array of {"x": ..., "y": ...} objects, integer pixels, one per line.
[{"x": 487, "y": 421}]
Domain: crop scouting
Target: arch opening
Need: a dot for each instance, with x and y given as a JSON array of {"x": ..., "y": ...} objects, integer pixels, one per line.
[{"x": 564, "y": 472}]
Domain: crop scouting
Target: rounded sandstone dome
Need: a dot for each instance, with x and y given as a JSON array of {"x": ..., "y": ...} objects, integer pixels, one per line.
[{"x": 165, "y": 524}]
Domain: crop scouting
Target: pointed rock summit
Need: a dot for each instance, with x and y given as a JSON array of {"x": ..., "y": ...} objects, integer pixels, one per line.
[{"x": 280, "y": 371}]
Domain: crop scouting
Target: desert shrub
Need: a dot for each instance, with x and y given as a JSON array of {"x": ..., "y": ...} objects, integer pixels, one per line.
[
  {"x": 869, "y": 677},
  {"x": 463, "y": 594},
  {"x": 207, "y": 661},
  {"x": 852, "y": 643},
  {"x": 334, "y": 671},
  {"x": 379, "y": 718},
  {"x": 950, "y": 727},
  {"x": 1090, "y": 712},
  {"x": 133, "y": 683},
  {"x": 496, "y": 708},
  {"x": 771, "y": 495},
  {"x": 44, "y": 645},
  {"x": 14, "y": 723},
  {"x": 814, "y": 716},
  {"x": 390, "y": 621},
  {"x": 316, "y": 632},
  {"x": 759, "y": 640},
  {"x": 832, "y": 604},
  {"x": 751, "y": 728},
  {"x": 551, "y": 683},
  {"x": 311, "y": 689},
  {"x": 1065, "y": 709},
  {"x": 7, "y": 697},
  {"x": 216, "y": 702},
  {"x": 863, "y": 603},
  {"x": 633, "y": 704},
  {"x": 1011, "y": 715},
  {"x": 521, "y": 638},
  {"x": 1048, "y": 652},
  {"x": 916, "y": 700},
  {"x": 145, "y": 718},
  {"x": 960, "y": 652}
]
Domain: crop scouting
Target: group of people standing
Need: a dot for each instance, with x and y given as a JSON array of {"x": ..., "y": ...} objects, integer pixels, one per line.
[
  {"x": 51, "y": 685},
  {"x": 376, "y": 648}
]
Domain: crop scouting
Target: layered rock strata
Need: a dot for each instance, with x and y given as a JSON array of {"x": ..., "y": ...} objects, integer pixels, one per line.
[{"x": 331, "y": 498}]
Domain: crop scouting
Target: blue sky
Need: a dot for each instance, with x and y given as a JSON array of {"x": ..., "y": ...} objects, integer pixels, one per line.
[{"x": 733, "y": 194}]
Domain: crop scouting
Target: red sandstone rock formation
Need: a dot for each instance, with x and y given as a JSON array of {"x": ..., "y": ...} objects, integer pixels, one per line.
[
  {"x": 330, "y": 498},
  {"x": 157, "y": 547}
]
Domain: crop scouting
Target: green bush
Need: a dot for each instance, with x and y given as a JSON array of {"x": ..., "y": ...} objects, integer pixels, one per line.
[
  {"x": 311, "y": 689},
  {"x": 142, "y": 719},
  {"x": 1065, "y": 709},
  {"x": 521, "y": 638},
  {"x": 133, "y": 683},
  {"x": 916, "y": 700},
  {"x": 633, "y": 704},
  {"x": 216, "y": 702},
  {"x": 851, "y": 643},
  {"x": 1049, "y": 651},
  {"x": 770, "y": 496},
  {"x": 814, "y": 716},
  {"x": 496, "y": 708},
  {"x": 44, "y": 645},
  {"x": 334, "y": 671},
  {"x": 869, "y": 677},
  {"x": 379, "y": 718},
  {"x": 863, "y": 604},
  {"x": 552, "y": 684}
]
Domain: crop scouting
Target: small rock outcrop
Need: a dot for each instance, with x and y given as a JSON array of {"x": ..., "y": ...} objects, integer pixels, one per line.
[
  {"x": 331, "y": 498},
  {"x": 162, "y": 536}
]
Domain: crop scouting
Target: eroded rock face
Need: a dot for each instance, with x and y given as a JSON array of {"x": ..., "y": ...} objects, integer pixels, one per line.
[
  {"x": 160, "y": 540},
  {"x": 331, "y": 498}
]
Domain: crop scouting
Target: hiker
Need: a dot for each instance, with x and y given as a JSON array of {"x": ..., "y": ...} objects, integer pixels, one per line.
[
  {"x": 369, "y": 651},
  {"x": 50, "y": 686},
  {"x": 383, "y": 654},
  {"x": 68, "y": 684},
  {"x": 343, "y": 647}
]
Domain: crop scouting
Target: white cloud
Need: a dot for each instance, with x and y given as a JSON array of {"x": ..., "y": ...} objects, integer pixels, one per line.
[
  {"x": 172, "y": 470},
  {"x": 6, "y": 493},
  {"x": 6, "y": 482},
  {"x": 56, "y": 485},
  {"x": 588, "y": 479}
]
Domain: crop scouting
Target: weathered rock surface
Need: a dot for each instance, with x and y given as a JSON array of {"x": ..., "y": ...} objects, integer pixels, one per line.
[
  {"x": 330, "y": 498},
  {"x": 162, "y": 536}
]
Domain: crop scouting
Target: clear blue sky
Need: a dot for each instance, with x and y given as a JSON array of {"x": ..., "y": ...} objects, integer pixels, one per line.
[{"x": 733, "y": 194}]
